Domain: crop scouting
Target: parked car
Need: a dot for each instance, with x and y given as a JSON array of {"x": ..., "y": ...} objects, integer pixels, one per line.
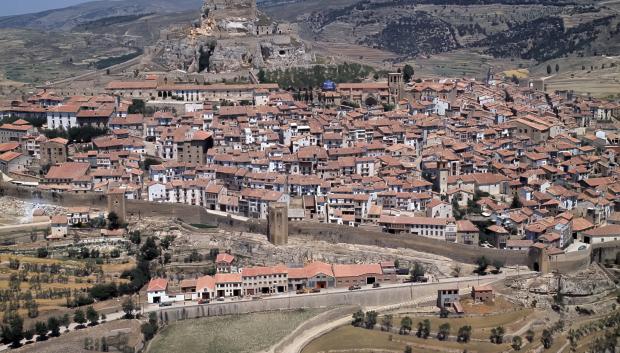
[
  {"x": 301, "y": 291},
  {"x": 354, "y": 287},
  {"x": 203, "y": 301},
  {"x": 220, "y": 299},
  {"x": 256, "y": 298},
  {"x": 315, "y": 290},
  {"x": 376, "y": 285},
  {"x": 161, "y": 305}
]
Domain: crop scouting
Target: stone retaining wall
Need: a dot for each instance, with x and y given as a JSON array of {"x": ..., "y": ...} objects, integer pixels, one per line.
[{"x": 366, "y": 298}]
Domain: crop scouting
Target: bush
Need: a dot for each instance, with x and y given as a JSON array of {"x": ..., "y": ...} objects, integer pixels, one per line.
[
  {"x": 40, "y": 328},
  {"x": 104, "y": 291},
  {"x": 42, "y": 253},
  {"x": 149, "y": 329}
]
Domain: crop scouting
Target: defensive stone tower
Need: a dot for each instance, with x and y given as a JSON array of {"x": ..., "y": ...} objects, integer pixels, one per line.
[
  {"x": 116, "y": 204},
  {"x": 539, "y": 259},
  {"x": 442, "y": 176},
  {"x": 395, "y": 86},
  {"x": 278, "y": 223}
]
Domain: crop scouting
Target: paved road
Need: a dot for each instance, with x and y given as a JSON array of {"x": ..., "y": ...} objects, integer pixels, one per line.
[{"x": 23, "y": 227}]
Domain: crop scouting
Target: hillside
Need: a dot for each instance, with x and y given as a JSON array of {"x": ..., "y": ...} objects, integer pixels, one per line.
[
  {"x": 528, "y": 29},
  {"x": 70, "y": 17}
]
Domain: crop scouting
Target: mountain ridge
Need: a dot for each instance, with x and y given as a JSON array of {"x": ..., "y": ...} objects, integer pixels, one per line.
[{"x": 69, "y": 17}]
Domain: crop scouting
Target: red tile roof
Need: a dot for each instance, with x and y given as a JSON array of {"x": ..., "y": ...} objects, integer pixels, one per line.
[
  {"x": 228, "y": 278},
  {"x": 205, "y": 283},
  {"x": 356, "y": 270},
  {"x": 157, "y": 285},
  {"x": 224, "y": 257}
]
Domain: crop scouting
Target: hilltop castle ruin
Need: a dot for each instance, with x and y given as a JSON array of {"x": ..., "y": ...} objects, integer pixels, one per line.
[{"x": 232, "y": 35}]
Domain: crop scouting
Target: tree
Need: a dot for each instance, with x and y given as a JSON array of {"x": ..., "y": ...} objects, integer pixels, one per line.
[
  {"x": 497, "y": 335},
  {"x": 529, "y": 335},
  {"x": 498, "y": 264},
  {"x": 148, "y": 162},
  {"x": 42, "y": 253},
  {"x": 103, "y": 291},
  {"x": 405, "y": 325},
  {"x": 516, "y": 343},
  {"x": 424, "y": 328},
  {"x": 92, "y": 315},
  {"x": 14, "y": 332},
  {"x": 128, "y": 308},
  {"x": 408, "y": 73},
  {"x": 548, "y": 69},
  {"x": 557, "y": 68},
  {"x": 262, "y": 76},
  {"x": 149, "y": 329},
  {"x": 444, "y": 331},
  {"x": 115, "y": 253},
  {"x": 104, "y": 345},
  {"x": 464, "y": 334},
  {"x": 65, "y": 321},
  {"x": 165, "y": 243},
  {"x": 79, "y": 318},
  {"x": 547, "y": 338},
  {"x": 29, "y": 334},
  {"x": 53, "y": 324},
  {"x": 149, "y": 250},
  {"x": 444, "y": 313},
  {"x": 40, "y": 328},
  {"x": 408, "y": 349},
  {"x": 134, "y": 237},
  {"x": 358, "y": 318},
  {"x": 113, "y": 221},
  {"x": 417, "y": 272},
  {"x": 386, "y": 323},
  {"x": 33, "y": 308},
  {"x": 137, "y": 107},
  {"x": 483, "y": 264},
  {"x": 456, "y": 209},
  {"x": 371, "y": 319},
  {"x": 516, "y": 202}
]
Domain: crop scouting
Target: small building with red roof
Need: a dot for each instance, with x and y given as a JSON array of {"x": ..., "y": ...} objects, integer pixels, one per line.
[
  {"x": 156, "y": 290},
  {"x": 224, "y": 263}
]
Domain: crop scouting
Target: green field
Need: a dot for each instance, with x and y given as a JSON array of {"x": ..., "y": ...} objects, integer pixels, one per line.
[{"x": 229, "y": 334}]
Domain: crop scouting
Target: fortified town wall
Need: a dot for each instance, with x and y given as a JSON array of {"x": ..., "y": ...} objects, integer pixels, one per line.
[{"x": 316, "y": 231}]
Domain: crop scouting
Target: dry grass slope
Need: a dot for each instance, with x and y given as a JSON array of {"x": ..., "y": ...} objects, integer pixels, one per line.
[{"x": 232, "y": 334}]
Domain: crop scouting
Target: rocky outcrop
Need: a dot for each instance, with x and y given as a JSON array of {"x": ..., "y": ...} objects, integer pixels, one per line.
[{"x": 231, "y": 36}]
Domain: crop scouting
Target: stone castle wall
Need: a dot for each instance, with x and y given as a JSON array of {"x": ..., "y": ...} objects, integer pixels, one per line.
[{"x": 312, "y": 230}]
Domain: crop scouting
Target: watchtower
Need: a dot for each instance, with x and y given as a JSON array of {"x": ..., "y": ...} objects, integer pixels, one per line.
[
  {"x": 395, "y": 86},
  {"x": 278, "y": 223},
  {"x": 116, "y": 204},
  {"x": 443, "y": 171},
  {"x": 538, "y": 256}
]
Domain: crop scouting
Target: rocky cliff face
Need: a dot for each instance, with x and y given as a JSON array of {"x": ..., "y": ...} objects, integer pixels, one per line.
[{"x": 231, "y": 36}]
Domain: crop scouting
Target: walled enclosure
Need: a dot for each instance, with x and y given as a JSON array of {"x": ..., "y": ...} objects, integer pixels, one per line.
[{"x": 318, "y": 231}]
